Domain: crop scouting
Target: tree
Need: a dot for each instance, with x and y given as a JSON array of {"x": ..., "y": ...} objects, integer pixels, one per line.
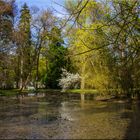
[
  {"x": 6, "y": 20},
  {"x": 24, "y": 47},
  {"x": 117, "y": 24},
  {"x": 56, "y": 59},
  {"x": 124, "y": 32},
  {"x": 7, "y": 74},
  {"x": 93, "y": 65},
  {"x": 42, "y": 25},
  {"x": 69, "y": 80}
]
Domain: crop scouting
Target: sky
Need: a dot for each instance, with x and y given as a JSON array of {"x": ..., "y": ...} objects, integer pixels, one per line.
[{"x": 44, "y": 4}]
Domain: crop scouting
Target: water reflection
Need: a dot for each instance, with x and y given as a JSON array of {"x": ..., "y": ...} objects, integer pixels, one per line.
[{"x": 67, "y": 117}]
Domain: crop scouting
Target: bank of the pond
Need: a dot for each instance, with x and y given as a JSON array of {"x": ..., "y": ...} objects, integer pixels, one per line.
[
  {"x": 10, "y": 92},
  {"x": 87, "y": 94},
  {"x": 95, "y": 94},
  {"x": 13, "y": 92}
]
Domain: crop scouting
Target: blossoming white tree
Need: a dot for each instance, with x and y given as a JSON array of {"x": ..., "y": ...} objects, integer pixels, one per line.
[{"x": 69, "y": 80}]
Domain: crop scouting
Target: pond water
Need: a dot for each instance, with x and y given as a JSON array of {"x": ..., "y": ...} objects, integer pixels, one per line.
[{"x": 58, "y": 116}]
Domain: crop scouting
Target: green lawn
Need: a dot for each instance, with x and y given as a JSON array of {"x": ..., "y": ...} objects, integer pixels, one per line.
[
  {"x": 9, "y": 92},
  {"x": 12, "y": 92},
  {"x": 83, "y": 91}
]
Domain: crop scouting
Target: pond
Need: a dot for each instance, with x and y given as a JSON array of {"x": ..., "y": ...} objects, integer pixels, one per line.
[{"x": 56, "y": 116}]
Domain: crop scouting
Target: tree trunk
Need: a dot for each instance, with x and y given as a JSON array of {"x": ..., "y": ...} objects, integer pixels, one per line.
[
  {"x": 83, "y": 76},
  {"x": 21, "y": 74},
  {"x": 18, "y": 72},
  {"x": 37, "y": 72}
]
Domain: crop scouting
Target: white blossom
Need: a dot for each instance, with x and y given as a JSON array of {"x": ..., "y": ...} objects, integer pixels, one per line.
[{"x": 69, "y": 80}]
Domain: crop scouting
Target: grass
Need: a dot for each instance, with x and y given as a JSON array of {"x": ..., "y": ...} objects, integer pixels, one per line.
[
  {"x": 83, "y": 91},
  {"x": 9, "y": 92},
  {"x": 48, "y": 90},
  {"x": 12, "y": 92}
]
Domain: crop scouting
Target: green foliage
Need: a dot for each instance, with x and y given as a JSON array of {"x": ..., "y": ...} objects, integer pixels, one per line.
[
  {"x": 125, "y": 48},
  {"x": 55, "y": 59},
  {"x": 104, "y": 44},
  {"x": 93, "y": 65}
]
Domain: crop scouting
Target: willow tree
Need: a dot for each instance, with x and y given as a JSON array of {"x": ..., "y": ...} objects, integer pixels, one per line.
[
  {"x": 93, "y": 66},
  {"x": 87, "y": 45}
]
